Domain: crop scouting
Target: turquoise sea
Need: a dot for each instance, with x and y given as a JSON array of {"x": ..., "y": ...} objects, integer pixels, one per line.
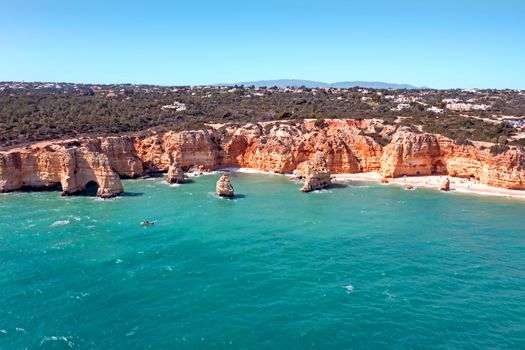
[{"x": 358, "y": 267}]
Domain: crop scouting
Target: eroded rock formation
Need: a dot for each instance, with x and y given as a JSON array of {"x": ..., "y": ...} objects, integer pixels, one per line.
[
  {"x": 279, "y": 147},
  {"x": 224, "y": 188},
  {"x": 175, "y": 174},
  {"x": 315, "y": 173},
  {"x": 414, "y": 154},
  {"x": 445, "y": 186},
  {"x": 66, "y": 165},
  {"x": 270, "y": 146}
]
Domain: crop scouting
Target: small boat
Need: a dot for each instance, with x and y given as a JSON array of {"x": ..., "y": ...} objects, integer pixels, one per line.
[{"x": 147, "y": 223}]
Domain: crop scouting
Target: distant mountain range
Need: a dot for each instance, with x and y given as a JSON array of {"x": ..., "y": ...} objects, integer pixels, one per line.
[{"x": 319, "y": 84}]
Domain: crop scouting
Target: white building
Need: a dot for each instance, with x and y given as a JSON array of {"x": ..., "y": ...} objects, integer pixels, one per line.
[{"x": 177, "y": 106}]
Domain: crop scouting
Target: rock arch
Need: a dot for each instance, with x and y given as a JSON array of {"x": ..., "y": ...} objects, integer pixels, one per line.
[{"x": 91, "y": 188}]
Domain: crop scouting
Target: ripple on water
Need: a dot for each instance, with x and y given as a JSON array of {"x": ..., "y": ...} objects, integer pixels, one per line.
[
  {"x": 54, "y": 339},
  {"x": 446, "y": 263},
  {"x": 62, "y": 245}
]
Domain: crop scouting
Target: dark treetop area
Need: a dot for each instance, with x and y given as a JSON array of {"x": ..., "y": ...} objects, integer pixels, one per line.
[{"x": 40, "y": 111}]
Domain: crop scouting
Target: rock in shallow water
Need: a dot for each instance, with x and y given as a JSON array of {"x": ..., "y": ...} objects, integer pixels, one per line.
[
  {"x": 224, "y": 188},
  {"x": 445, "y": 186},
  {"x": 316, "y": 174},
  {"x": 175, "y": 174}
]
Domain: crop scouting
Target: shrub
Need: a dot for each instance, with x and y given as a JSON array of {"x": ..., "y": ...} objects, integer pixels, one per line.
[
  {"x": 320, "y": 123},
  {"x": 519, "y": 143},
  {"x": 461, "y": 141},
  {"x": 32, "y": 114},
  {"x": 383, "y": 141},
  {"x": 499, "y": 149}
]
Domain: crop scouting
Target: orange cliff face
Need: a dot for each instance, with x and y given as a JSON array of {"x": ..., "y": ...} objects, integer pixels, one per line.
[
  {"x": 283, "y": 147},
  {"x": 70, "y": 166},
  {"x": 272, "y": 146},
  {"x": 413, "y": 154}
]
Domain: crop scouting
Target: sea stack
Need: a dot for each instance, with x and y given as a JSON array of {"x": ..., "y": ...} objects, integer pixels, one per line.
[
  {"x": 175, "y": 174},
  {"x": 224, "y": 188},
  {"x": 316, "y": 173},
  {"x": 445, "y": 186}
]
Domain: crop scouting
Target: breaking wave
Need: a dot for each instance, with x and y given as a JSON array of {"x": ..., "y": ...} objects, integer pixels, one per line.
[{"x": 60, "y": 223}]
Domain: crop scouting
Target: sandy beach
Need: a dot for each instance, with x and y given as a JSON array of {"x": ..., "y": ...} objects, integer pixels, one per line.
[{"x": 458, "y": 185}]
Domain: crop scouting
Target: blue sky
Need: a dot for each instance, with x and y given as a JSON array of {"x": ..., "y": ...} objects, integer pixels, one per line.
[{"x": 445, "y": 43}]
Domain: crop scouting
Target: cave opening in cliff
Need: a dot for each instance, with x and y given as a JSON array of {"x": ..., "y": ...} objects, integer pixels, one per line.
[
  {"x": 51, "y": 187},
  {"x": 438, "y": 167},
  {"x": 91, "y": 189}
]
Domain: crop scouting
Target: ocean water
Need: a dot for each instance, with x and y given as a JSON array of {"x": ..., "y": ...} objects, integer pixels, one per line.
[{"x": 363, "y": 266}]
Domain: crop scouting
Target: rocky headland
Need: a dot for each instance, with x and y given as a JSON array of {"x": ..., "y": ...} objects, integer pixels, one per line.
[{"x": 279, "y": 147}]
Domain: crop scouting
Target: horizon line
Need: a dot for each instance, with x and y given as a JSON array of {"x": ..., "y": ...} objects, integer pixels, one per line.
[{"x": 243, "y": 83}]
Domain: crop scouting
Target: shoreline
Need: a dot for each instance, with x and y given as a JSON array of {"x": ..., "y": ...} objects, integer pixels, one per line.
[
  {"x": 457, "y": 184},
  {"x": 433, "y": 182},
  {"x": 247, "y": 171}
]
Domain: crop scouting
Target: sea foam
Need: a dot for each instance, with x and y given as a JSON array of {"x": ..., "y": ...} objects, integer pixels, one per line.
[{"x": 60, "y": 223}]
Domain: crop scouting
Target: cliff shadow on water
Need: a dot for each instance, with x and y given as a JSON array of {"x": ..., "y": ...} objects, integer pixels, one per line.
[
  {"x": 131, "y": 194},
  {"x": 54, "y": 188},
  {"x": 336, "y": 185},
  {"x": 92, "y": 187},
  {"x": 235, "y": 196}
]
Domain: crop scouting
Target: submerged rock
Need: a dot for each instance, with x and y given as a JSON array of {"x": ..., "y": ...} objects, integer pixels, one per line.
[
  {"x": 445, "y": 186},
  {"x": 316, "y": 173},
  {"x": 224, "y": 188},
  {"x": 175, "y": 174}
]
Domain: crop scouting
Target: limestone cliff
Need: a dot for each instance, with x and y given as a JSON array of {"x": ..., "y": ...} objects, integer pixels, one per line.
[
  {"x": 66, "y": 165},
  {"x": 272, "y": 146},
  {"x": 410, "y": 153}
]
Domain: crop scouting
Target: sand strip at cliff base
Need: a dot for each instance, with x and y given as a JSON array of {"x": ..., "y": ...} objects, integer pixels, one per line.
[
  {"x": 247, "y": 171},
  {"x": 459, "y": 185}
]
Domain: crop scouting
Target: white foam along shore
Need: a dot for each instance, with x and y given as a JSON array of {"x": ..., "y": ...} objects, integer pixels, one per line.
[
  {"x": 457, "y": 184},
  {"x": 230, "y": 170},
  {"x": 434, "y": 182}
]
